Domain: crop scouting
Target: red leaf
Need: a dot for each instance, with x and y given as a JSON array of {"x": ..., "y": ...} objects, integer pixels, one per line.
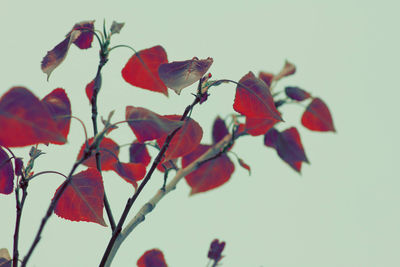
[
  {"x": 266, "y": 77},
  {"x": 25, "y": 120},
  {"x": 210, "y": 174},
  {"x": 147, "y": 125},
  {"x": 59, "y": 107},
  {"x": 244, "y": 165},
  {"x": 89, "y": 90},
  {"x": 259, "y": 126},
  {"x": 109, "y": 151},
  {"x": 296, "y": 93},
  {"x": 255, "y": 99},
  {"x": 288, "y": 145},
  {"x": 141, "y": 70},
  {"x": 288, "y": 69},
  {"x": 80, "y": 38},
  {"x": 85, "y": 38},
  {"x": 185, "y": 140},
  {"x": 180, "y": 74},
  {"x": 57, "y": 55},
  {"x": 138, "y": 153},
  {"x": 152, "y": 258},
  {"x": 130, "y": 172},
  {"x": 219, "y": 130},
  {"x": 82, "y": 200},
  {"x": 6, "y": 173},
  {"x": 317, "y": 117}
]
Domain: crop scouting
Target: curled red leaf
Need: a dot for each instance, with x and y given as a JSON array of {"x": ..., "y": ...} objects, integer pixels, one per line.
[
  {"x": 210, "y": 174},
  {"x": 180, "y": 74},
  {"x": 25, "y": 120},
  {"x": 6, "y": 173},
  {"x": 184, "y": 141},
  {"x": 141, "y": 70},
  {"x": 148, "y": 125},
  {"x": 81, "y": 35},
  {"x": 85, "y": 38},
  {"x": 82, "y": 200},
  {"x": 152, "y": 258},
  {"x": 317, "y": 117}
]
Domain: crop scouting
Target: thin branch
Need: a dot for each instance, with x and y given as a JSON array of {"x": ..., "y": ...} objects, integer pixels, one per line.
[
  {"x": 151, "y": 204},
  {"x": 132, "y": 200},
  {"x": 96, "y": 89},
  {"x": 19, "y": 205}
]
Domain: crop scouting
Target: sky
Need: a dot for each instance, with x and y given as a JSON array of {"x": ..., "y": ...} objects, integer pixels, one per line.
[{"x": 341, "y": 211}]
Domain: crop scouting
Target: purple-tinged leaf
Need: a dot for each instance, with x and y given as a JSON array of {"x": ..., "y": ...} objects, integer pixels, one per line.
[
  {"x": 148, "y": 125},
  {"x": 219, "y": 130},
  {"x": 317, "y": 117},
  {"x": 180, "y": 74},
  {"x": 6, "y": 173},
  {"x": 296, "y": 93}
]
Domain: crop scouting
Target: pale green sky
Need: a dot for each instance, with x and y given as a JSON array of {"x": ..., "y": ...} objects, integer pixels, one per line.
[{"x": 342, "y": 211}]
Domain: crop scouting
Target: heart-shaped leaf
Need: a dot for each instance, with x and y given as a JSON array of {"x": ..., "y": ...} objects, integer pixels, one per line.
[
  {"x": 244, "y": 165},
  {"x": 82, "y": 200},
  {"x": 25, "y": 120},
  {"x": 59, "y": 107},
  {"x": 253, "y": 99},
  {"x": 6, "y": 173},
  {"x": 180, "y": 74},
  {"x": 317, "y": 117},
  {"x": 148, "y": 125},
  {"x": 288, "y": 146},
  {"x": 152, "y": 258},
  {"x": 296, "y": 93},
  {"x": 210, "y": 174},
  {"x": 141, "y": 70},
  {"x": 184, "y": 141}
]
